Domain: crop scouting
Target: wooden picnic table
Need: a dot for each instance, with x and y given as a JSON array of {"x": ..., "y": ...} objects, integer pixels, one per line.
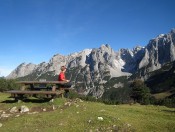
[
  {"x": 42, "y": 84},
  {"x": 30, "y": 88}
]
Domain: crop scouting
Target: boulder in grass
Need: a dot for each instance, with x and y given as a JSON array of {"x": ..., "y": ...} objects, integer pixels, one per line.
[
  {"x": 24, "y": 109},
  {"x": 14, "y": 110},
  {"x": 5, "y": 115},
  {"x": 100, "y": 118}
]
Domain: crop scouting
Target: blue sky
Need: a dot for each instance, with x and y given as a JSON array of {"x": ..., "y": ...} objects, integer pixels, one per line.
[{"x": 32, "y": 31}]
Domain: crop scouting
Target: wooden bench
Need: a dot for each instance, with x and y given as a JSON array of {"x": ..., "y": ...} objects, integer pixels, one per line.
[
  {"x": 39, "y": 90},
  {"x": 32, "y": 84},
  {"x": 18, "y": 94}
]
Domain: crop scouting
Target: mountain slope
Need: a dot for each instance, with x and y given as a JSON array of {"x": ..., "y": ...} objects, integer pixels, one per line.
[{"x": 162, "y": 80}]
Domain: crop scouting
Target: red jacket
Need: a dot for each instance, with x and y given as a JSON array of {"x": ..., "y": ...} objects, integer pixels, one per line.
[{"x": 61, "y": 76}]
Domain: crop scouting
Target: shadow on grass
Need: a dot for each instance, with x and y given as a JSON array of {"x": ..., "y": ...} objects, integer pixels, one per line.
[
  {"x": 9, "y": 101},
  {"x": 38, "y": 100},
  {"x": 170, "y": 111}
]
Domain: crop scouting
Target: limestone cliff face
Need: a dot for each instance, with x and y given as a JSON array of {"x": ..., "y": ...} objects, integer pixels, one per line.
[
  {"x": 90, "y": 69},
  {"x": 22, "y": 70},
  {"x": 159, "y": 51}
]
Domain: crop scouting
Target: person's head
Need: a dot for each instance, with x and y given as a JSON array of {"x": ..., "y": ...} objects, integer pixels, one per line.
[{"x": 63, "y": 68}]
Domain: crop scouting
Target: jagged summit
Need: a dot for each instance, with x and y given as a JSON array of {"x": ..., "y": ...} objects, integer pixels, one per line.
[
  {"x": 173, "y": 30},
  {"x": 161, "y": 35}
]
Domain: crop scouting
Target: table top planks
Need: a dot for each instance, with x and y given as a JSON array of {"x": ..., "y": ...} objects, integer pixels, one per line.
[
  {"x": 33, "y": 92},
  {"x": 41, "y": 82}
]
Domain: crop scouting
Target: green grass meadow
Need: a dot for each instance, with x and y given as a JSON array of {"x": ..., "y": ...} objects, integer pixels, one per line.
[{"x": 76, "y": 115}]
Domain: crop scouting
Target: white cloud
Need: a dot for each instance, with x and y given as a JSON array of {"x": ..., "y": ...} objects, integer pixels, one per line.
[{"x": 5, "y": 71}]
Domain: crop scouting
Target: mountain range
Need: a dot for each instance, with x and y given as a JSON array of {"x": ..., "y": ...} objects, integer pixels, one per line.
[{"x": 100, "y": 70}]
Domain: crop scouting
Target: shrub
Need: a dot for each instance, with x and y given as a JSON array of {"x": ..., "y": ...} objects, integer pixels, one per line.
[
  {"x": 140, "y": 92},
  {"x": 8, "y": 84}
]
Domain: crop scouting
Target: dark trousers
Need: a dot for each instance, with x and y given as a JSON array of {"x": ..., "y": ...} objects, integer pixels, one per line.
[{"x": 66, "y": 85}]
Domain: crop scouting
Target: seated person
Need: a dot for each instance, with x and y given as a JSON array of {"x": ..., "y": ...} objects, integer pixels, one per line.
[{"x": 61, "y": 77}]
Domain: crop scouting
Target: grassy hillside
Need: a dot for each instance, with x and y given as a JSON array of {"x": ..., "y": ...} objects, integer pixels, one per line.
[
  {"x": 76, "y": 116},
  {"x": 162, "y": 95}
]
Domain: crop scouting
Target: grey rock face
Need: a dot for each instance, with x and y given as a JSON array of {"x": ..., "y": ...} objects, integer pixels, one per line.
[
  {"x": 159, "y": 51},
  {"x": 131, "y": 58},
  {"x": 22, "y": 70},
  {"x": 145, "y": 61}
]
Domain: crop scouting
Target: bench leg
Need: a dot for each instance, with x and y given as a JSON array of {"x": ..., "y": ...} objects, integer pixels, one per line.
[
  {"x": 12, "y": 95},
  {"x": 15, "y": 96},
  {"x": 62, "y": 95},
  {"x": 65, "y": 93},
  {"x": 18, "y": 98},
  {"x": 53, "y": 88},
  {"x": 61, "y": 92}
]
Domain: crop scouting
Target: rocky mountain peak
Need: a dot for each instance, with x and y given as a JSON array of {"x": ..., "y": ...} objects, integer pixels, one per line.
[
  {"x": 137, "y": 48},
  {"x": 173, "y": 30},
  {"x": 106, "y": 48},
  {"x": 160, "y": 35},
  {"x": 22, "y": 70},
  {"x": 159, "y": 51}
]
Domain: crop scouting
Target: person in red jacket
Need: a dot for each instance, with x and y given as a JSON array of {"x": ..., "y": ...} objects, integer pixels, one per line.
[{"x": 61, "y": 77}]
